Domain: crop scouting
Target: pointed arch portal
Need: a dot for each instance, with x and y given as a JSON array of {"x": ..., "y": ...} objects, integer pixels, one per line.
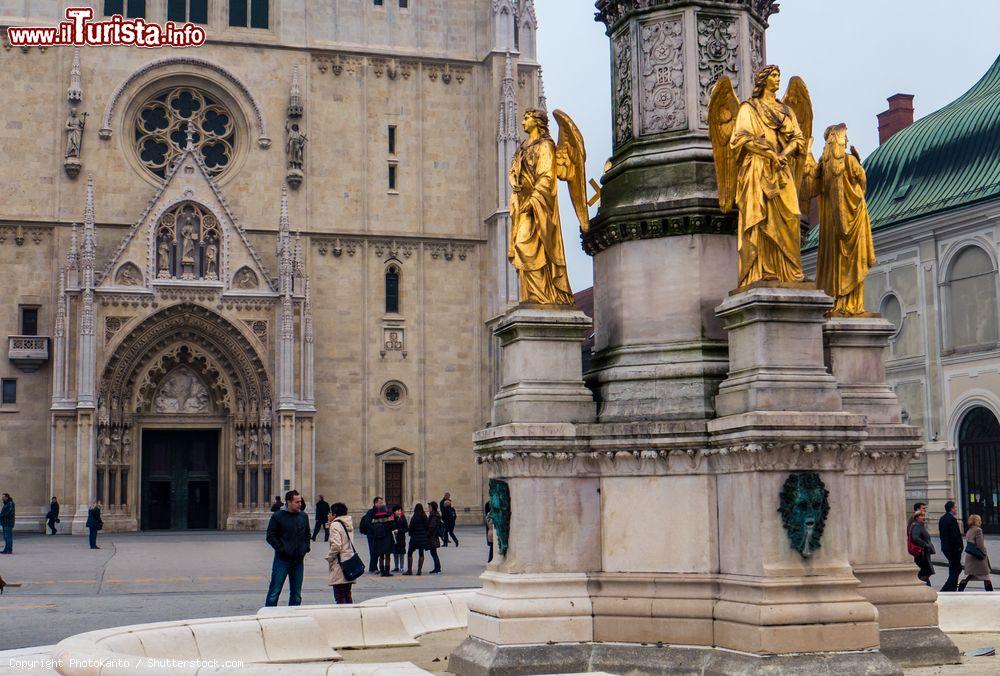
[{"x": 184, "y": 422}]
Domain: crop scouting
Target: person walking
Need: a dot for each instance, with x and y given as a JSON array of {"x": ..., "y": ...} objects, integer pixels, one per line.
[
  {"x": 489, "y": 531},
  {"x": 277, "y": 504},
  {"x": 449, "y": 517},
  {"x": 288, "y": 535},
  {"x": 366, "y": 529},
  {"x": 921, "y": 547},
  {"x": 52, "y": 516},
  {"x": 417, "y": 530},
  {"x": 952, "y": 544},
  {"x": 340, "y": 530},
  {"x": 434, "y": 529},
  {"x": 976, "y": 568},
  {"x": 7, "y": 514},
  {"x": 383, "y": 525},
  {"x": 94, "y": 523},
  {"x": 399, "y": 538},
  {"x": 322, "y": 519}
]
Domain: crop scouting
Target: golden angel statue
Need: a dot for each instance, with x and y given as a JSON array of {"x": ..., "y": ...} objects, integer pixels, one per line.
[
  {"x": 536, "y": 242},
  {"x": 846, "y": 251},
  {"x": 760, "y": 149}
]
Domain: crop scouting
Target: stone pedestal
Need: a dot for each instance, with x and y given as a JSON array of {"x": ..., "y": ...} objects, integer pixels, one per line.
[
  {"x": 542, "y": 374},
  {"x": 855, "y": 350},
  {"x": 776, "y": 352}
]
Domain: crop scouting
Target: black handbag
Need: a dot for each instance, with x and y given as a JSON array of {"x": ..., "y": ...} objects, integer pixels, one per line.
[
  {"x": 354, "y": 567},
  {"x": 973, "y": 550}
]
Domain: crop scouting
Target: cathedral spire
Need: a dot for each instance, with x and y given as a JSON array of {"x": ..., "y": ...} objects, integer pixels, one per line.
[
  {"x": 89, "y": 252},
  {"x": 295, "y": 95},
  {"x": 75, "y": 92},
  {"x": 507, "y": 124},
  {"x": 543, "y": 103},
  {"x": 285, "y": 255}
]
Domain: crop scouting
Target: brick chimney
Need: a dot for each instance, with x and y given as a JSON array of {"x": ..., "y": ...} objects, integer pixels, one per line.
[{"x": 897, "y": 118}]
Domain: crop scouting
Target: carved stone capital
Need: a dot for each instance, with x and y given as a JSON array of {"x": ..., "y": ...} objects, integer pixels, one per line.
[{"x": 613, "y": 12}]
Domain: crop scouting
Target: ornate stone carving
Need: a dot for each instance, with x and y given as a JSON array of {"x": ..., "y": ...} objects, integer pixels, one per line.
[
  {"x": 259, "y": 329},
  {"x": 245, "y": 278},
  {"x": 74, "y": 142},
  {"x": 756, "y": 48},
  {"x": 602, "y": 235},
  {"x": 621, "y": 49},
  {"x": 181, "y": 392},
  {"x": 393, "y": 248},
  {"x": 500, "y": 509},
  {"x": 448, "y": 250},
  {"x": 611, "y": 12},
  {"x": 718, "y": 54},
  {"x": 661, "y": 47},
  {"x": 187, "y": 243},
  {"x": 128, "y": 275},
  {"x": 112, "y": 325},
  {"x": 804, "y": 506}
]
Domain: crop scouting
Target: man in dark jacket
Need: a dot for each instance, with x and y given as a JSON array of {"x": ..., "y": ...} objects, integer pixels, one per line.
[
  {"x": 277, "y": 504},
  {"x": 288, "y": 534},
  {"x": 52, "y": 516},
  {"x": 952, "y": 544},
  {"x": 94, "y": 523},
  {"x": 365, "y": 528},
  {"x": 322, "y": 514},
  {"x": 7, "y": 523},
  {"x": 449, "y": 517}
]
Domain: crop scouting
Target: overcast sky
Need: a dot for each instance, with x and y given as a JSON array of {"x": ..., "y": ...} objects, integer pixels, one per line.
[{"x": 852, "y": 54}]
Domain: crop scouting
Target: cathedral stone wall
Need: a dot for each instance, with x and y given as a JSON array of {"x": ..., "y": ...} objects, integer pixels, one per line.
[{"x": 433, "y": 72}]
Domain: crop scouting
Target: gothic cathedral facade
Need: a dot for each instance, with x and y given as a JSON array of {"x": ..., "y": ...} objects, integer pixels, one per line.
[{"x": 268, "y": 262}]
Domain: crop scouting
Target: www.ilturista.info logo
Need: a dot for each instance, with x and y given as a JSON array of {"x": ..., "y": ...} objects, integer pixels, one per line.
[{"x": 117, "y": 30}]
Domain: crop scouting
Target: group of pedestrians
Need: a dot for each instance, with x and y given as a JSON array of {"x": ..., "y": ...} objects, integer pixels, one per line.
[
  {"x": 391, "y": 539},
  {"x": 953, "y": 545},
  {"x": 8, "y": 517}
]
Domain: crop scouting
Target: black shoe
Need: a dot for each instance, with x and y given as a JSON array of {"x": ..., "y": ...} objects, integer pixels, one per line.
[
  {"x": 95, "y": 547},
  {"x": 408, "y": 572},
  {"x": 434, "y": 572}
]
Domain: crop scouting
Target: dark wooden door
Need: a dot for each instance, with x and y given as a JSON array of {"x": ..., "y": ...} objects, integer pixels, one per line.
[
  {"x": 979, "y": 457},
  {"x": 179, "y": 479},
  {"x": 393, "y": 482}
]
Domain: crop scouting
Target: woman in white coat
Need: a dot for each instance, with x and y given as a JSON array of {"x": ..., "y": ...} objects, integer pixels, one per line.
[{"x": 341, "y": 549}]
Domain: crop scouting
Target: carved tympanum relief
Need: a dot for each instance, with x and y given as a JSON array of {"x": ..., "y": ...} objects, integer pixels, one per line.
[
  {"x": 661, "y": 47},
  {"x": 718, "y": 55},
  {"x": 181, "y": 392},
  {"x": 128, "y": 275},
  {"x": 245, "y": 278}
]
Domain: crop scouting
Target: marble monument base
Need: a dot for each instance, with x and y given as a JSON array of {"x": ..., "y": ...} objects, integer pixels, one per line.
[{"x": 541, "y": 370}]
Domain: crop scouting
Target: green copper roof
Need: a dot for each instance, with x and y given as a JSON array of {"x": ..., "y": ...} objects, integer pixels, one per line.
[{"x": 945, "y": 160}]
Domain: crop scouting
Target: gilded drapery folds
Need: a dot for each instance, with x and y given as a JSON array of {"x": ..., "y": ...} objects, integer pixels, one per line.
[
  {"x": 760, "y": 149},
  {"x": 536, "y": 243},
  {"x": 846, "y": 251}
]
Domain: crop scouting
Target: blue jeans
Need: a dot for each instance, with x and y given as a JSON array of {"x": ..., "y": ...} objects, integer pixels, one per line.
[
  {"x": 281, "y": 569},
  {"x": 8, "y": 539}
]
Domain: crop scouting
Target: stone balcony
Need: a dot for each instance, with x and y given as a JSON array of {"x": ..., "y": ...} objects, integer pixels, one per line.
[{"x": 28, "y": 352}]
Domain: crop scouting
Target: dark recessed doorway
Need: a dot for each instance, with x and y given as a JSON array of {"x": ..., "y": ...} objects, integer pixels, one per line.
[{"x": 179, "y": 479}]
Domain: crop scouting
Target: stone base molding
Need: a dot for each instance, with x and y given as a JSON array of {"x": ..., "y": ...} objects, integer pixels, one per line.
[
  {"x": 918, "y": 647},
  {"x": 855, "y": 350}
]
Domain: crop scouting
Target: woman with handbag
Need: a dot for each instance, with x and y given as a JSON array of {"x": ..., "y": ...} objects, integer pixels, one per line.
[
  {"x": 920, "y": 547},
  {"x": 345, "y": 564},
  {"x": 435, "y": 528},
  {"x": 977, "y": 559}
]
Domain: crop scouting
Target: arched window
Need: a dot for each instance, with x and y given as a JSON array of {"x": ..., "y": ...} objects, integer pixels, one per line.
[
  {"x": 972, "y": 300},
  {"x": 979, "y": 457},
  {"x": 392, "y": 289}
]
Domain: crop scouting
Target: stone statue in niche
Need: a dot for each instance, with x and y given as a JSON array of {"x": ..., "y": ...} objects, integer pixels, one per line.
[
  {"x": 163, "y": 257},
  {"x": 241, "y": 443},
  {"x": 74, "y": 133},
  {"x": 189, "y": 238},
  {"x": 252, "y": 446},
  {"x": 181, "y": 392},
  {"x": 295, "y": 146},
  {"x": 103, "y": 447},
  {"x": 116, "y": 442},
  {"x": 126, "y": 448},
  {"x": 500, "y": 513},
  {"x": 265, "y": 445},
  {"x": 804, "y": 505},
  {"x": 212, "y": 260}
]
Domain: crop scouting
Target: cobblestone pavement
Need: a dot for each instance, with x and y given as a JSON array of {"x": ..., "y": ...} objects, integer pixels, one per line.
[{"x": 149, "y": 577}]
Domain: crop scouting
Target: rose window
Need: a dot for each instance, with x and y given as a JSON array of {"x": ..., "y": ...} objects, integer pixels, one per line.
[{"x": 163, "y": 123}]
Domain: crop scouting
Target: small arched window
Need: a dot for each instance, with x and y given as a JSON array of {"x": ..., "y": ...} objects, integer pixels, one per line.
[
  {"x": 392, "y": 289},
  {"x": 972, "y": 300}
]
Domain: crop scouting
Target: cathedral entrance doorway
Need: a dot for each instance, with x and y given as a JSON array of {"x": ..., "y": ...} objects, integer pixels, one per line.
[{"x": 179, "y": 487}]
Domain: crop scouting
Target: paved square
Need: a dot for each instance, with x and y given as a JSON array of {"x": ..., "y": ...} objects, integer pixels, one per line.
[{"x": 148, "y": 577}]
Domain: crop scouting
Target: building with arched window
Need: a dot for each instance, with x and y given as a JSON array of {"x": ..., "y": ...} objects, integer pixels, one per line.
[
  {"x": 267, "y": 262},
  {"x": 934, "y": 200}
]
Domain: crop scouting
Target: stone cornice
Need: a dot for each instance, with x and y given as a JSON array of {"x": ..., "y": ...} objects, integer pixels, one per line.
[
  {"x": 604, "y": 234},
  {"x": 399, "y": 247},
  {"x": 613, "y": 12},
  {"x": 392, "y": 67}
]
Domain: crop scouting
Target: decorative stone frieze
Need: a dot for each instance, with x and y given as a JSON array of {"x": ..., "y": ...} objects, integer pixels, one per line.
[
  {"x": 391, "y": 68},
  {"x": 613, "y": 12},
  {"x": 661, "y": 70},
  {"x": 605, "y": 234},
  {"x": 19, "y": 234}
]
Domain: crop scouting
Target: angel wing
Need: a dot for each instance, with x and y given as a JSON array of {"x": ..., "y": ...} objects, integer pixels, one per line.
[
  {"x": 797, "y": 98},
  {"x": 571, "y": 156},
  {"x": 722, "y": 109}
]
